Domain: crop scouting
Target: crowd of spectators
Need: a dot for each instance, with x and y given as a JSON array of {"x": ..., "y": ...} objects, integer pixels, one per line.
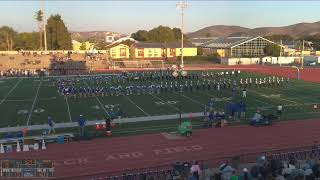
[
  {"x": 23, "y": 72},
  {"x": 299, "y": 165}
]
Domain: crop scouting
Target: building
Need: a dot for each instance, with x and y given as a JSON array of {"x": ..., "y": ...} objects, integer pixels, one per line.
[
  {"x": 237, "y": 46},
  {"x": 118, "y": 51},
  {"x": 109, "y": 39},
  {"x": 199, "y": 41},
  {"x": 148, "y": 50},
  {"x": 76, "y": 45}
]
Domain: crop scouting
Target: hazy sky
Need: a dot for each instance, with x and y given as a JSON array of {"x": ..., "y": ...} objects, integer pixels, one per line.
[{"x": 129, "y": 16}]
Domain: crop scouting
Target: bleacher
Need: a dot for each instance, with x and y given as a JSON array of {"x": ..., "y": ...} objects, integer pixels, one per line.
[{"x": 175, "y": 172}]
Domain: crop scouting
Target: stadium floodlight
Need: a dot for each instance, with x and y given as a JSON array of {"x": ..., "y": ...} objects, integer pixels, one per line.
[
  {"x": 182, "y": 5},
  {"x": 44, "y": 27}
]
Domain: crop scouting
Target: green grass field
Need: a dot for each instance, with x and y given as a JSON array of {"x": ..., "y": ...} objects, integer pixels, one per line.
[{"x": 30, "y": 101}]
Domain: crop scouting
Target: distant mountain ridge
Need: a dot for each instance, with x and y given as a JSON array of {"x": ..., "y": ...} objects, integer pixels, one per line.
[
  {"x": 295, "y": 30},
  {"x": 94, "y": 36}
]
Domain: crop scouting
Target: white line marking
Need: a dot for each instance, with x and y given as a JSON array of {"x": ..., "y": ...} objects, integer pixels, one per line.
[
  {"x": 102, "y": 106},
  {"x": 166, "y": 102},
  {"x": 191, "y": 99},
  {"x": 34, "y": 102},
  {"x": 68, "y": 108},
  {"x": 27, "y": 100},
  {"x": 132, "y": 102},
  {"x": 137, "y": 106},
  {"x": 13, "y": 88},
  {"x": 275, "y": 97}
]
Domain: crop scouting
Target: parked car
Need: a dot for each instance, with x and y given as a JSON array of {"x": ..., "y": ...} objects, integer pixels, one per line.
[{"x": 311, "y": 63}]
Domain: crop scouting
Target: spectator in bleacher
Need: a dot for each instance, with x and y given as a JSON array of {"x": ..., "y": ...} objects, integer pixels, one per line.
[
  {"x": 245, "y": 175},
  {"x": 51, "y": 124},
  {"x": 234, "y": 175},
  {"x": 82, "y": 123},
  {"x": 195, "y": 170},
  {"x": 226, "y": 171}
]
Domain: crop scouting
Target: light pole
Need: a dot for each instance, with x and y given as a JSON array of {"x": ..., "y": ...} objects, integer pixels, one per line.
[
  {"x": 302, "y": 62},
  {"x": 182, "y": 5},
  {"x": 44, "y": 28}
]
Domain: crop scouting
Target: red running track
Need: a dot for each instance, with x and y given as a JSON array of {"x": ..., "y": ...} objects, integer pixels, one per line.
[
  {"x": 311, "y": 74},
  {"x": 116, "y": 154}
]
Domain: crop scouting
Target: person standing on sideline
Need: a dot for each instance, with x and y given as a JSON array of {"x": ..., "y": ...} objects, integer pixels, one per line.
[
  {"x": 108, "y": 127},
  {"x": 51, "y": 124},
  {"x": 244, "y": 93},
  {"x": 195, "y": 170},
  {"x": 279, "y": 111},
  {"x": 82, "y": 123}
]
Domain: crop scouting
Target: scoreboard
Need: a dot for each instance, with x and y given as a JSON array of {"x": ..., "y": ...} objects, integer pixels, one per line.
[{"x": 27, "y": 168}]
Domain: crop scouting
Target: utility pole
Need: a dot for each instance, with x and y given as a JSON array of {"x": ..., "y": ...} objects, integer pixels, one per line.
[
  {"x": 44, "y": 28},
  {"x": 182, "y": 5},
  {"x": 280, "y": 47},
  {"x": 302, "y": 61}
]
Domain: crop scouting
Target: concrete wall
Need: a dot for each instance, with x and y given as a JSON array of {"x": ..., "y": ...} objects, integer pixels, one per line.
[{"x": 272, "y": 60}]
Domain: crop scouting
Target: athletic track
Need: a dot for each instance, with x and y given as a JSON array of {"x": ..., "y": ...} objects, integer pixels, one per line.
[
  {"x": 311, "y": 74},
  {"x": 116, "y": 154},
  {"x": 108, "y": 156}
]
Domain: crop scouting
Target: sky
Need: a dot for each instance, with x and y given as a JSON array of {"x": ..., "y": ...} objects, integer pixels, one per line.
[{"x": 130, "y": 16}]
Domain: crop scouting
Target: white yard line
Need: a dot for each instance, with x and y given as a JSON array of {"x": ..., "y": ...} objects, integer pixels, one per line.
[
  {"x": 68, "y": 108},
  {"x": 191, "y": 99},
  {"x": 137, "y": 106},
  {"x": 27, "y": 100},
  {"x": 13, "y": 88},
  {"x": 34, "y": 102},
  {"x": 132, "y": 102},
  {"x": 275, "y": 97},
  {"x": 166, "y": 102},
  {"x": 102, "y": 106}
]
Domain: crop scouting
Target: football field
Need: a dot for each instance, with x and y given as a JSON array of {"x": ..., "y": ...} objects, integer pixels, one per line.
[{"x": 29, "y": 101}]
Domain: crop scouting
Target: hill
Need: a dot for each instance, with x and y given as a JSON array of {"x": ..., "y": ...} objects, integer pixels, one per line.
[{"x": 295, "y": 30}]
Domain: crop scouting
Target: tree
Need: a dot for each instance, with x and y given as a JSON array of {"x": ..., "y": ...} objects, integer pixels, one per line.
[
  {"x": 39, "y": 17},
  {"x": 140, "y": 35},
  {"x": 160, "y": 34},
  {"x": 177, "y": 33},
  {"x": 27, "y": 41},
  {"x": 7, "y": 37},
  {"x": 83, "y": 46},
  {"x": 272, "y": 50},
  {"x": 208, "y": 34},
  {"x": 58, "y": 36}
]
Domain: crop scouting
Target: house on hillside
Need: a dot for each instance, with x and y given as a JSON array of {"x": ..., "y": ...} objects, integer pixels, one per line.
[
  {"x": 118, "y": 51},
  {"x": 76, "y": 45},
  {"x": 148, "y": 50},
  {"x": 237, "y": 46}
]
